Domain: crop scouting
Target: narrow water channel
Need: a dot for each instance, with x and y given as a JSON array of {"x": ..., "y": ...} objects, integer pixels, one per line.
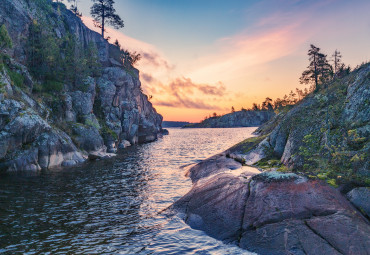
[{"x": 111, "y": 206}]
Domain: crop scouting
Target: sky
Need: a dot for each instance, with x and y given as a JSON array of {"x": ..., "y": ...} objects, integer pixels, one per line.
[{"x": 205, "y": 56}]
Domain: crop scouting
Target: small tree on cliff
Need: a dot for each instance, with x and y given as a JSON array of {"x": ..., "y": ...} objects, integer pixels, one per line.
[
  {"x": 103, "y": 12},
  {"x": 319, "y": 69},
  {"x": 74, "y": 8}
]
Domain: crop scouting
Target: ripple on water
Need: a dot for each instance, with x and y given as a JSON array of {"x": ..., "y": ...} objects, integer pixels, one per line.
[{"x": 112, "y": 206}]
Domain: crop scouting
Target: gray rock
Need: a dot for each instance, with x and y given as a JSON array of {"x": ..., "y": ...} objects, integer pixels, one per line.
[
  {"x": 69, "y": 163},
  {"x": 213, "y": 165},
  {"x": 360, "y": 197},
  {"x": 87, "y": 138},
  {"x": 82, "y": 102},
  {"x": 124, "y": 144},
  {"x": 100, "y": 155},
  {"x": 56, "y": 147}
]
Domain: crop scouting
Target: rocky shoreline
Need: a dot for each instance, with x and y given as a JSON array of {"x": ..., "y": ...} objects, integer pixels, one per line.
[{"x": 271, "y": 212}]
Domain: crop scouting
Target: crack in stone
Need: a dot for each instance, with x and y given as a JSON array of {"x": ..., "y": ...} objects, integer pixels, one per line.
[
  {"x": 243, "y": 214},
  {"x": 323, "y": 238}
]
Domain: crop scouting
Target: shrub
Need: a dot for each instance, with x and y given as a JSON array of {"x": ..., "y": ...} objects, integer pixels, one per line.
[
  {"x": 16, "y": 78},
  {"x": 53, "y": 86},
  {"x": 5, "y": 40}
]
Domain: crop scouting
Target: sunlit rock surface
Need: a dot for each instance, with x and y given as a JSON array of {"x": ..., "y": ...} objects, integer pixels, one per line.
[{"x": 271, "y": 212}]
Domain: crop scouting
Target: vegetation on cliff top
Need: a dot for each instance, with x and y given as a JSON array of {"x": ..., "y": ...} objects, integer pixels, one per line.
[{"x": 326, "y": 140}]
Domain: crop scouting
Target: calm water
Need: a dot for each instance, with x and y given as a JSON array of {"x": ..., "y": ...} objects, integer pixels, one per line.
[{"x": 112, "y": 206}]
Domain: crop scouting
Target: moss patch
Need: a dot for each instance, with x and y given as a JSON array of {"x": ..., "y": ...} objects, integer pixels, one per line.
[{"x": 247, "y": 145}]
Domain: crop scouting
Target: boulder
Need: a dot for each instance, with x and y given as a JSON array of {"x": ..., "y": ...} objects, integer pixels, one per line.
[
  {"x": 165, "y": 131},
  {"x": 216, "y": 206},
  {"x": 360, "y": 197},
  {"x": 213, "y": 165},
  {"x": 87, "y": 137},
  {"x": 124, "y": 144},
  {"x": 276, "y": 213},
  {"x": 97, "y": 155}
]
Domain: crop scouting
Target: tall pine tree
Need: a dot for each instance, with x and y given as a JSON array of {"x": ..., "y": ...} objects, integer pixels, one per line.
[
  {"x": 319, "y": 69},
  {"x": 104, "y": 13}
]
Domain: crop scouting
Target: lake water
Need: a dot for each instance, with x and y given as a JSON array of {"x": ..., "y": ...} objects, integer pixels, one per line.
[{"x": 113, "y": 206}]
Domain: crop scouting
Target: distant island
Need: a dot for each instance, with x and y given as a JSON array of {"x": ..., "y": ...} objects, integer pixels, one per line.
[
  {"x": 243, "y": 118},
  {"x": 173, "y": 124}
]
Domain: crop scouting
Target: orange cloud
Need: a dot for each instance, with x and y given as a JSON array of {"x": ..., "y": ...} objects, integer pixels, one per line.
[{"x": 184, "y": 93}]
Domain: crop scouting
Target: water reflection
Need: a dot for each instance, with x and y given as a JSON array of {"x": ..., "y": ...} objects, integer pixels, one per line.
[{"x": 112, "y": 206}]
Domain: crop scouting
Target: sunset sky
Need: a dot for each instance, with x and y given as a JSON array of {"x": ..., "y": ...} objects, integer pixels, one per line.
[{"x": 204, "y": 56}]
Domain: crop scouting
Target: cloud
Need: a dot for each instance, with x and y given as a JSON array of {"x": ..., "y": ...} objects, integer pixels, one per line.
[
  {"x": 184, "y": 93},
  {"x": 156, "y": 60},
  {"x": 188, "y": 103},
  {"x": 147, "y": 77},
  {"x": 187, "y": 85}
]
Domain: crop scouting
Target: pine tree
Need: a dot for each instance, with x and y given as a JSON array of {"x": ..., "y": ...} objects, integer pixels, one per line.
[
  {"x": 74, "y": 8},
  {"x": 103, "y": 12},
  {"x": 337, "y": 61},
  {"x": 319, "y": 69}
]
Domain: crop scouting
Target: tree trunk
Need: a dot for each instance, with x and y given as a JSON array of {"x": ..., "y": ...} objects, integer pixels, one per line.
[
  {"x": 314, "y": 62},
  {"x": 102, "y": 20}
]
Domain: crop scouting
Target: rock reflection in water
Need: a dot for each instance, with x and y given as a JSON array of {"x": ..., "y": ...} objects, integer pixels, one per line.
[{"x": 112, "y": 206}]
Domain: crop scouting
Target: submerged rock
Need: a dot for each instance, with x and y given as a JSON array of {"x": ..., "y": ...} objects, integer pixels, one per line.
[{"x": 97, "y": 155}]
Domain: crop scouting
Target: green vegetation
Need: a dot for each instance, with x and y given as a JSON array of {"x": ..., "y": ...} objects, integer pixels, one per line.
[
  {"x": 326, "y": 146},
  {"x": 5, "y": 40},
  {"x": 55, "y": 61},
  {"x": 106, "y": 131},
  {"x": 248, "y": 144},
  {"x": 15, "y": 78}
]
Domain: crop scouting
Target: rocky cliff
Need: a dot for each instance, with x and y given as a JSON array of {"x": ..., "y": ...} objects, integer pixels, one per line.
[
  {"x": 325, "y": 135},
  {"x": 64, "y": 91},
  {"x": 244, "y": 118}
]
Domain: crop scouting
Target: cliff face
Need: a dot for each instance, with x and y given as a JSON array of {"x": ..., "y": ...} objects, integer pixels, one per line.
[
  {"x": 327, "y": 134},
  {"x": 235, "y": 119},
  {"x": 61, "y": 126}
]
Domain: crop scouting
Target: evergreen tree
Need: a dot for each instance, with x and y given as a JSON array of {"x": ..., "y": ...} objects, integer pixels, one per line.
[
  {"x": 5, "y": 41},
  {"x": 74, "y": 8},
  {"x": 337, "y": 61},
  {"x": 103, "y": 12},
  {"x": 319, "y": 69}
]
